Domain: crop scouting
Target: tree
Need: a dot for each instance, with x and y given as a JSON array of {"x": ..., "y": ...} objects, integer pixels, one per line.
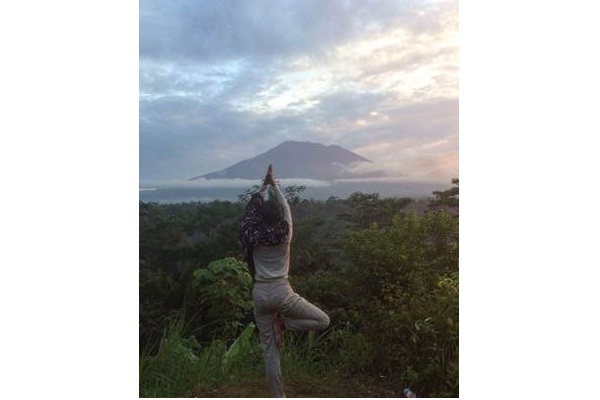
[
  {"x": 446, "y": 200},
  {"x": 292, "y": 193},
  {"x": 370, "y": 209}
]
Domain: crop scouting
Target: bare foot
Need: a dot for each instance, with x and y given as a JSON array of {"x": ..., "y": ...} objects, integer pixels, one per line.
[{"x": 279, "y": 328}]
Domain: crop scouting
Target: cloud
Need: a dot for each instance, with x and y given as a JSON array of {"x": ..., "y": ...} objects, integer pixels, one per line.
[
  {"x": 223, "y": 81},
  {"x": 226, "y": 183},
  {"x": 209, "y": 30}
]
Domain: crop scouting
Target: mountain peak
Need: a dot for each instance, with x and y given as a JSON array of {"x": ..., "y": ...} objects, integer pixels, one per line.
[
  {"x": 293, "y": 159},
  {"x": 298, "y": 145}
]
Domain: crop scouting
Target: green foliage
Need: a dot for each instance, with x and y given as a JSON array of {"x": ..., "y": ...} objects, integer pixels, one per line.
[
  {"x": 159, "y": 257},
  {"x": 244, "y": 358},
  {"x": 303, "y": 354},
  {"x": 182, "y": 365},
  {"x": 310, "y": 253},
  {"x": 159, "y": 241},
  {"x": 292, "y": 193},
  {"x": 173, "y": 369},
  {"x": 408, "y": 275},
  {"x": 446, "y": 199},
  {"x": 174, "y": 240},
  {"x": 370, "y": 209},
  {"x": 387, "y": 277},
  {"x": 331, "y": 290},
  {"x": 412, "y": 251},
  {"x": 236, "y": 350},
  {"x": 224, "y": 294},
  {"x": 352, "y": 352}
]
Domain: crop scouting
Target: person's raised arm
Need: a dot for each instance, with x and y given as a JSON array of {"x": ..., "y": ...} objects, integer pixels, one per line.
[
  {"x": 270, "y": 180},
  {"x": 263, "y": 187}
]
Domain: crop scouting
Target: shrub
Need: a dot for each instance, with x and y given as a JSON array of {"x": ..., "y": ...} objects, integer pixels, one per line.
[
  {"x": 407, "y": 275},
  {"x": 224, "y": 297}
]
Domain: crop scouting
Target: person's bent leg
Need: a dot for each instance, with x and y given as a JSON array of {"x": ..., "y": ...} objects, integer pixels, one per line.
[{"x": 301, "y": 315}]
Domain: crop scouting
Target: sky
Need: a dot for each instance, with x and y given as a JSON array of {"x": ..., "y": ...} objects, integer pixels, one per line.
[{"x": 223, "y": 81}]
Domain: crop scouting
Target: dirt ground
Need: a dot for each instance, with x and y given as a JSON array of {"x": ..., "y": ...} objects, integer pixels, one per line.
[{"x": 352, "y": 388}]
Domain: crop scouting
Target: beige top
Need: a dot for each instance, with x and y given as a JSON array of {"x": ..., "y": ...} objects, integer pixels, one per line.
[{"x": 273, "y": 262}]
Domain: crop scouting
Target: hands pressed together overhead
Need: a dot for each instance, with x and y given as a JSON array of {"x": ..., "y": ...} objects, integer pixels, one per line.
[{"x": 269, "y": 179}]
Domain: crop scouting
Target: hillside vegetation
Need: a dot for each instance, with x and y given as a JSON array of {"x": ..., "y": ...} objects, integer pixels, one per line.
[{"x": 384, "y": 269}]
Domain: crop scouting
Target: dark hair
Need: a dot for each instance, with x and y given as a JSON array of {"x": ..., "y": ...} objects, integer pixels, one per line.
[
  {"x": 271, "y": 212},
  {"x": 256, "y": 201}
]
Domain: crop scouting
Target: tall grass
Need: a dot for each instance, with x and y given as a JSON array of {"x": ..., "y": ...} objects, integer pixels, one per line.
[
  {"x": 175, "y": 366},
  {"x": 182, "y": 364},
  {"x": 337, "y": 351},
  {"x": 182, "y": 367}
]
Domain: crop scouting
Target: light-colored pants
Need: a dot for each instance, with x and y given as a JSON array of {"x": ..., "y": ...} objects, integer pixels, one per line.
[{"x": 298, "y": 315}]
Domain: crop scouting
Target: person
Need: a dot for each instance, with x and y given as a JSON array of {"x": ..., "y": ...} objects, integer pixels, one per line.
[{"x": 267, "y": 230}]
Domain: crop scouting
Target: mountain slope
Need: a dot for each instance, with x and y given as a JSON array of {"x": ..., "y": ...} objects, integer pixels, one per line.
[{"x": 298, "y": 160}]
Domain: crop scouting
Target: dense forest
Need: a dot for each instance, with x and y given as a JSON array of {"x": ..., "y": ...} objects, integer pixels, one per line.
[{"x": 384, "y": 269}]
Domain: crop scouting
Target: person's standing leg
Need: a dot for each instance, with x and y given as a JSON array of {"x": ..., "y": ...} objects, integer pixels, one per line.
[{"x": 264, "y": 315}]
